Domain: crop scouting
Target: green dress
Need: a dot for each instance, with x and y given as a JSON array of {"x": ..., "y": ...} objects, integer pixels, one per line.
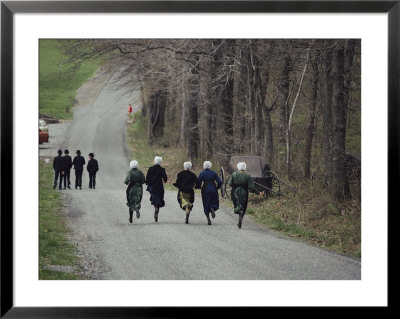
[
  {"x": 241, "y": 184},
  {"x": 135, "y": 180}
]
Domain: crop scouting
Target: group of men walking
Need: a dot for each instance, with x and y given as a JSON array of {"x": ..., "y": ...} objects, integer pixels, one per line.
[
  {"x": 208, "y": 181},
  {"x": 62, "y": 166}
]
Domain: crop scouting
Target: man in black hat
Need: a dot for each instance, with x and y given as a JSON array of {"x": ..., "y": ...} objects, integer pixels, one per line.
[
  {"x": 59, "y": 168},
  {"x": 92, "y": 167},
  {"x": 68, "y": 165},
  {"x": 78, "y": 163}
]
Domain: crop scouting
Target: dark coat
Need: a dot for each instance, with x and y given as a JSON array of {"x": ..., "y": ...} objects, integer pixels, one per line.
[
  {"x": 92, "y": 166},
  {"x": 67, "y": 162},
  {"x": 185, "y": 182},
  {"x": 78, "y": 162},
  {"x": 156, "y": 175},
  {"x": 59, "y": 163},
  {"x": 154, "y": 178}
]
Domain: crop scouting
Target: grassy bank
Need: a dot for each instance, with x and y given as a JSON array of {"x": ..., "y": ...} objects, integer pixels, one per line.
[
  {"x": 58, "y": 84},
  {"x": 314, "y": 219},
  {"x": 55, "y": 250}
]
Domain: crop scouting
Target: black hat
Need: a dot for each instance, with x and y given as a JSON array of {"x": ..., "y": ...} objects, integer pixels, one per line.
[
  {"x": 66, "y": 152},
  {"x": 59, "y": 152},
  {"x": 91, "y": 154},
  {"x": 78, "y": 152}
]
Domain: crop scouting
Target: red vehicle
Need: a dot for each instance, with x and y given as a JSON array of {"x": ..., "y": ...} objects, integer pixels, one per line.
[{"x": 43, "y": 132}]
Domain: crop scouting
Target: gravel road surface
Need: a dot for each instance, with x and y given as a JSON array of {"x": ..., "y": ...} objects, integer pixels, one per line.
[{"x": 112, "y": 248}]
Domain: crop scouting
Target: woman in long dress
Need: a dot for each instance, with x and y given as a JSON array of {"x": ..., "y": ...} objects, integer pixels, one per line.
[
  {"x": 135, "y": 180},
  {"x": 209, "y": 182},
  {"x": 241, "y": 184},
  {"x": 185, "y": 182},
  {"x": 155, "y": 177}
]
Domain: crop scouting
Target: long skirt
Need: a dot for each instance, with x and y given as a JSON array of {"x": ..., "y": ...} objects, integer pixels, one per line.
[
  {"x": 185, "y": 199},
  {"x": 240, "y": 199},
  {"x": 210, "y": 198},
  {"x": 134, "y": 197},
  {"x": 156, "y": 195}
]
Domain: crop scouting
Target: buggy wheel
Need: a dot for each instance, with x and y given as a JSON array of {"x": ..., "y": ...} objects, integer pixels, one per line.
[
  {"x": 274, "y": 185},
  {"x": 228, "y": 190},
  {"x": 222, "y": 176}
]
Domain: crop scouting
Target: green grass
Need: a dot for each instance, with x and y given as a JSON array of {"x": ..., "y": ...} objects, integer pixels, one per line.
[
  {"x": 57, "y": 275},
  {"x": 54, "y": 245},
  {"x": 314, "y": 218},
  {"x": 58, "y": 84}
]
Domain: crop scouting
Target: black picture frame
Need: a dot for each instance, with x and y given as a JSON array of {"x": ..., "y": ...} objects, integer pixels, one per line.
[{"x": 9, "y": 8}]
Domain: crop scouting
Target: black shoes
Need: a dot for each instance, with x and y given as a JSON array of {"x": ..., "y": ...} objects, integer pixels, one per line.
[
  {"x": 156, "y": 213},
  {"x": 187, "y": 214},
  {"x": 130, "y": 216},
  {"x": 208, "y": 219},
  {"x": 54, "y": 186},
  {"x": 212, "y": 213},
  {"x": 240, "y": 219}
]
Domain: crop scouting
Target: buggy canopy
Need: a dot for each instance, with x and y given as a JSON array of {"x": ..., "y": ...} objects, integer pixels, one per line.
[{"x": 255, "y": 164}]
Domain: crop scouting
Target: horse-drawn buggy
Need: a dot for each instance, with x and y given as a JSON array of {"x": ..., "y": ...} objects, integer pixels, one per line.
[{"x": 264, "y": 179}]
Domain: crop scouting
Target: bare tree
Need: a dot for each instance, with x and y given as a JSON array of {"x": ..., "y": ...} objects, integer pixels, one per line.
[{"x": 227, "y": 96}]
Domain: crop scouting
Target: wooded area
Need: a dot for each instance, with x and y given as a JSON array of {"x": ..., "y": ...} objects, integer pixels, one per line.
[{"x": 296, "y": 103}]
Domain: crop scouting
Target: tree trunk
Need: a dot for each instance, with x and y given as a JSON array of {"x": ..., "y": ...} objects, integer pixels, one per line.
[
  {"x": 193, "y": 128},
  {"x": 340, "y": 185},
  {"x": 288, "y": 142},
  {"x": 282, "y": 103},
  {"x": 258, "y": 98},
  {"x": 183, "y": 118},
  {"x": 193, "y": 132},
  {"x": 143, "y": 100},
  {"x": 311, "y": 119},
  {"x": 268, "y": 138},
  {"x": 326, "y": 91},
  {"x": 235, "y": 100}
]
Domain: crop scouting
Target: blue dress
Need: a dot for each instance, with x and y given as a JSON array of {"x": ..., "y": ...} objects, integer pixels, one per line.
[{"x": 209, "y": 182}]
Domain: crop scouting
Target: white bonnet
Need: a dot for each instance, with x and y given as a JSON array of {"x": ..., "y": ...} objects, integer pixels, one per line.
[
  {"x": 207, "y": 164},
  {"x": 241, "y": 166},
  {"x": 157, "y": 160},
  {"x": 187, "y": 165},
  {"x": 133, "y": 164}
]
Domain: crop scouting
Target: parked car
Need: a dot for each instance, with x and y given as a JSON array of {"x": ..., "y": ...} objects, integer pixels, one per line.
[{"x": 43, "y": 132}]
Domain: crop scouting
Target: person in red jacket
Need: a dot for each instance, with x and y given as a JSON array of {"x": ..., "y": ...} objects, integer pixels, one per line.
[{"x": 130, "y": 111}]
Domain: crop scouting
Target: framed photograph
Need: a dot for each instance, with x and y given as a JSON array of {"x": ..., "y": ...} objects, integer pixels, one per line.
[{"x": 209, "y": 91}]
